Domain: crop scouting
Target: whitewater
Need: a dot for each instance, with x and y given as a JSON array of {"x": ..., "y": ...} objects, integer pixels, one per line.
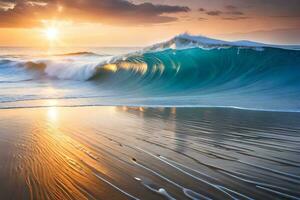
[{"x": 186, "y": 71}]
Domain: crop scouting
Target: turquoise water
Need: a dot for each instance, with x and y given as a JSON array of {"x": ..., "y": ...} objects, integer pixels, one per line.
[{"x": 248, "y": 78}]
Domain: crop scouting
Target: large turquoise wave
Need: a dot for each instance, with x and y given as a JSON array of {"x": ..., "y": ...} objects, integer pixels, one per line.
[
  {"x": 256, "y": 78},
  {"x": 198, "y": 71}
]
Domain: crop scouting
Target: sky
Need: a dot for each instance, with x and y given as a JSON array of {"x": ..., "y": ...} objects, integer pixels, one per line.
[{"x": 144, "y": 22}]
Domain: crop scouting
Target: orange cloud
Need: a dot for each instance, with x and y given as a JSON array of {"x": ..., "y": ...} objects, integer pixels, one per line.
[{"x": 29, "y": 13}]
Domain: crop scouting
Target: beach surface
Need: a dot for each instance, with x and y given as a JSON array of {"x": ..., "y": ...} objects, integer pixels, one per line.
[{"x": 148, "y": 153}]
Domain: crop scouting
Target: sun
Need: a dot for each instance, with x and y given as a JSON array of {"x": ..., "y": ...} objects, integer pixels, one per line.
[{"x": 52, "y": 33}]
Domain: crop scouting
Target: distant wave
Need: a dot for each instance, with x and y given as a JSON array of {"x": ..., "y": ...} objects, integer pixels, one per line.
[
  {"x": 194, "y": 68},
  {"x": 82, "y": 53}
]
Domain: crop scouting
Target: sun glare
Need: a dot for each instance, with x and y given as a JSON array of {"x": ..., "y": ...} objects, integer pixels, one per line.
[{"x": 52, "y": 33}]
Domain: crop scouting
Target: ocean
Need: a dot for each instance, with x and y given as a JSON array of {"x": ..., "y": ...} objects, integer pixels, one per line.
[
  {"x": 238, "y": 77},
  {"x": 190, "y": 118}
]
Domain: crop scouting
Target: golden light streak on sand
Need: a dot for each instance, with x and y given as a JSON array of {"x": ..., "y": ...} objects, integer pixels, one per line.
[
  {"x": 52, "y": 114},
  {"x": 56, "y": 166}
]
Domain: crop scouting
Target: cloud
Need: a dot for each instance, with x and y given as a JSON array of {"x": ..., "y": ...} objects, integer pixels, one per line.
[
  {"x": 28, "y": 13},
  {"x": 5, "y": 5},
  {"x": 229, "y": 12},
  {"x": 235, "y": 13},
  {"x": 234, "y": 18},
  {"x": 232, "y": 10},
  {"x": 202, "y": 18},
  {"x": 272, "y": 7},
  {"x": 230, "y": 7},
  {"x": 214, "y": 12},
  {"x": 253, "y": 8}
]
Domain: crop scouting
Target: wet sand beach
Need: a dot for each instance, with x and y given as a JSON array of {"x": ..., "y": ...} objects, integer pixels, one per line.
[{"x": 148, "y": 153}]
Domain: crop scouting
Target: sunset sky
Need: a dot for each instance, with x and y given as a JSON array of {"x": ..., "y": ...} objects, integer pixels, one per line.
[{"x": 143, "y": 22}]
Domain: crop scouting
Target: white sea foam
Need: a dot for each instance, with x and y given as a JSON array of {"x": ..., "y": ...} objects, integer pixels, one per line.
[{"x": 185, "y": 41}]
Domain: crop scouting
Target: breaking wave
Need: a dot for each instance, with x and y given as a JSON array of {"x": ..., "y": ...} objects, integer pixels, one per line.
[{"x": 216, "y": 74}]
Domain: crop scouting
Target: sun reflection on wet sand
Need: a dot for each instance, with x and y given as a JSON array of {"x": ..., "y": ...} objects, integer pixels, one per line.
[
  {"x": 52, "y": 111},
  {"x": 56, "y": 166},
  {"x": 52, "y": 114}
]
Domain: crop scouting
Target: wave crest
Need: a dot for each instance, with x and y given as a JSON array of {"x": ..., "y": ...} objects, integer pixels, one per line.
[{"x": 234, "y": 76}]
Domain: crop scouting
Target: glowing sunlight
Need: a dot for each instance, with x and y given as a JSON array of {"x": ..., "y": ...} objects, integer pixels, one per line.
[{"x": 52, "y": 33}]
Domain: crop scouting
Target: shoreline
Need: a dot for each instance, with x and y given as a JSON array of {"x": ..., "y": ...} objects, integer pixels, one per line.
[
  {"x": 152, "y": 106},
  {"x": 148, "y": 153}
]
